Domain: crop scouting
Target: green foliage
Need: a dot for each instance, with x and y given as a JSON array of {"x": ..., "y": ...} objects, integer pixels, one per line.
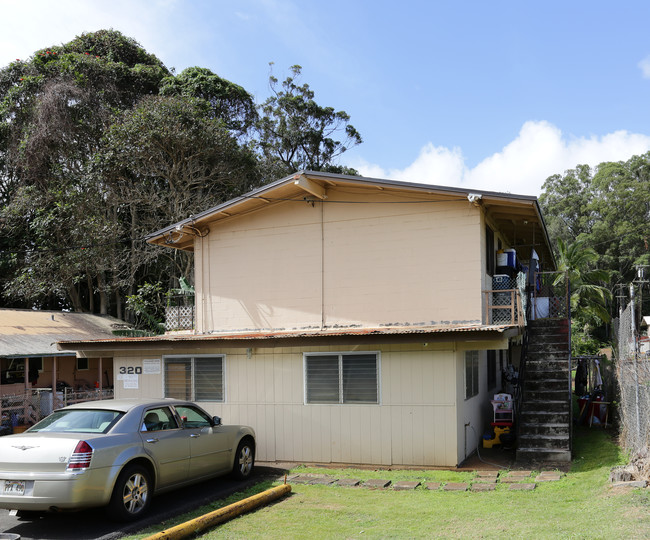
[
  {"x": 583, "y": 343},
  {"x": 599, "y": 219},
  {"x": 589, "y": 296},
  {"x": 100, "y": 145},
  {"x": 112, "y": 46},
  {"x": 296, "y": 133},
  {"x": 229, "y": 102},
  {"x": 54, "y": 109},
  {"x": 168, "y": 157},
  {"x": 148, "y": 307}
]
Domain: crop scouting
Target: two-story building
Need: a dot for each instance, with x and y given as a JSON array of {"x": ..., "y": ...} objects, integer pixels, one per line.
[{"x": 346, "y": 319}]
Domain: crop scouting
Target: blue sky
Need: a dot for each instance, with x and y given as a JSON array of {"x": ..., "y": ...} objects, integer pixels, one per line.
[{"x": 488, "y": 95}]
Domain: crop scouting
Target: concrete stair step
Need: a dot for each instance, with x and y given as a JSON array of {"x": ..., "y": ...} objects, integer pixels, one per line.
[
  {"x": 544, "y": 417},
  {"x": 546, "y": 384},
  {"x": 549, "y": 332},
  {"x": 549, "y": 323},
  {"x": 544, "y": 441},
  {"x": 541, "y": 357},
  {"x": 548, "y": 349},
  {"x": 541, "y": 455},
  {"x": 542, "y": 372},
  {"x": 560, "y": 429},
  {"x": 545, "y": 395},
  {"x": 548, "y": 406}
]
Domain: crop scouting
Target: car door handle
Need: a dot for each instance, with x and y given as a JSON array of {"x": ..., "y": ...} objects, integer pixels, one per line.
[
  {"x": 195, "y": 435},
  {"x": 152, "y": 440}
]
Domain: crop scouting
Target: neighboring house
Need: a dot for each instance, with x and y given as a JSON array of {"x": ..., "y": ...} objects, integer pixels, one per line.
[
  {"x": 31, "y": 364},
  {"x": 346, "y": 319}
]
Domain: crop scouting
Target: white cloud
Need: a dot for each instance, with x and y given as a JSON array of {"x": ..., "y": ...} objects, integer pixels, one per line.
[
  {"x": 28, "y": 26},
  {"x": 644, "y": 66},
  {"x": 539, "y": 150}
]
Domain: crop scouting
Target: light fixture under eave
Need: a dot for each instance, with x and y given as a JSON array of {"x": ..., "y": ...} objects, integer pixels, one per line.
[
  {"x": 474, "y": 198},
  {"x": 169, "y": 240},
  {"x": 182, "y": 230}
]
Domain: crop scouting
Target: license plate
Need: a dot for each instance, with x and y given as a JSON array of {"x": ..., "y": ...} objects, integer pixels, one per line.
[{"x": 14, "y": 487}]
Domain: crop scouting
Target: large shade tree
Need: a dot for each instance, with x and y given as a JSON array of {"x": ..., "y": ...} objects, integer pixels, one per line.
[
  {"x": 54, "y": 109},
  {"x": 296, "y": 133},
  {"x": 600, "y": 218},
  {"x": 101, "y": 144},
  {"x": 162, "y": 161},
  {"x": 229, "y": 102}
]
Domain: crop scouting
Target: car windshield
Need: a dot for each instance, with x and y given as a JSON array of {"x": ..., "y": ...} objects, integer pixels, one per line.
[{"x": 78, "y": 421}]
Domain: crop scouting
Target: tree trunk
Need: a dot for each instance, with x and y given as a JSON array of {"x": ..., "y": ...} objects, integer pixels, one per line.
[
  {"x": 91, "y": 293},
  {"x": 118, "y": 305},
  {"x": 73, "y": 294},
  {"x": 103, "y": 296}
]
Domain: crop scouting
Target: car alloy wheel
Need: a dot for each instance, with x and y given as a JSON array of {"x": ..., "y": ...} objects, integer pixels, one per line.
[
  {"x": 244, "y": 459},
  {"x": 135, "y": 494},
  {"x": 131, "y": 495}
]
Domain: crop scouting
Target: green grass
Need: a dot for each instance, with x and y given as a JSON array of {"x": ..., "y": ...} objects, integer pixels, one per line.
[{"x": 581, "y": 505}]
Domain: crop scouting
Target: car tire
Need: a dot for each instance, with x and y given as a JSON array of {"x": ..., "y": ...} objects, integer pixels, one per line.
[
  {"x": 244, "y": 459},
  {"x": 131, "y": 495}
]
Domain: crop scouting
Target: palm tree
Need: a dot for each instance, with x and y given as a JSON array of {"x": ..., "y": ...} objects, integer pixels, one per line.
[{"x": 588, "y": 297}]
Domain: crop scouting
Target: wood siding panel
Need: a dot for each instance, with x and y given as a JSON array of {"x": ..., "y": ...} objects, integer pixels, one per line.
[
  {"x": 415, "y": 424},
  {"x": 297, "y": 266}
]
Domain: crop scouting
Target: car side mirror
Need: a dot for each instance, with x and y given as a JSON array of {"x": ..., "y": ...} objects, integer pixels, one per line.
[{"x": 216, "y": 421}]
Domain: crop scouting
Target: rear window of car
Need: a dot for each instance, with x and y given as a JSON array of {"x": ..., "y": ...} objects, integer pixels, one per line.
[{"x": 78, "y": 421}]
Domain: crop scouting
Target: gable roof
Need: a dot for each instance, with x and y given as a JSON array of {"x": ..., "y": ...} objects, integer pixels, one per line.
[
  {"x": 518, "y": 217},
  {"x": 25, "y": 332}
]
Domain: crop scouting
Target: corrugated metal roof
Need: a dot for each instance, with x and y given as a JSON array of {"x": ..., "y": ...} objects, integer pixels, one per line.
[
  {"x": 35, "y": 333},
  {"x": 296, "y": 334}
]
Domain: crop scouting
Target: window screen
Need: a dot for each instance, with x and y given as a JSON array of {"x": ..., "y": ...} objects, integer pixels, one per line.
[
  {"x": 195, "y": 378},
  {"x": 208, "y": 377},
  {"x": 322, "y": 379},
  {"x": 341, "y": 378},
  {"x": 471, "y": 374}
]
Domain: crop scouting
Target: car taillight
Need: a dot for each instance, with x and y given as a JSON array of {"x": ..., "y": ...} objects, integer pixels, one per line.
[{"x": 80, "y": 458}]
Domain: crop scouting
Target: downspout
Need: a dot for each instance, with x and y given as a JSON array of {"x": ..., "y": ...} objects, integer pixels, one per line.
[{"x": 322, "y": 266}]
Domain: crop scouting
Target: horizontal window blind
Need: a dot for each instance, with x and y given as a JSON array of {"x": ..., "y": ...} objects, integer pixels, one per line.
[
  {"x": 359, "y": 378},
  {"x": 208, "y": 379},
  {"x": 195, "y": 378},
  {"x": 342, "y": 378},
  {"x": 322, "y": 379}
]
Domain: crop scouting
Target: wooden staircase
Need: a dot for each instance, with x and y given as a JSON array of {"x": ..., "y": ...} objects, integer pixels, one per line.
[{"x": 544, "y": 425}]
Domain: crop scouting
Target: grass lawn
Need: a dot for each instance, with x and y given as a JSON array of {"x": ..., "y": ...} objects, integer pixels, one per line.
[{"x": 581, "y": 505}]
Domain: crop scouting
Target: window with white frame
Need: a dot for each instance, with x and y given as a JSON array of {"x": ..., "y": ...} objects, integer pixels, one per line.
[
  {"x": 471, "y": 374},
  {"x": 195, "y": 378},
  {"x": 342, "y": 378}
]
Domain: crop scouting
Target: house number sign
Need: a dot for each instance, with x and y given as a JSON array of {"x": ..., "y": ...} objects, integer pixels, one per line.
[{"x": 130, "y": 370}]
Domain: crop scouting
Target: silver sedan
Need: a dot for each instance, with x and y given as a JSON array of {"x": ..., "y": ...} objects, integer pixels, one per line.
[{"x": 118, "y": 453}]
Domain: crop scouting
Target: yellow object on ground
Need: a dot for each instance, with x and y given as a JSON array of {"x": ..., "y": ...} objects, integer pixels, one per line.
[{"x": 222, "y": 514}]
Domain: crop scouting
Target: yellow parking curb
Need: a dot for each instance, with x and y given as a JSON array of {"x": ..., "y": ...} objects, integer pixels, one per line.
[{"x": 205, "y": 521}]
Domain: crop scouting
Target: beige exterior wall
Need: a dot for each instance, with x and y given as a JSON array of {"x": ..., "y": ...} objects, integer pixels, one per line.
[
  {"x": 346, "y": 263},
  {"x": 416, "y": 422},
  {"x": 475, "y": 413}
]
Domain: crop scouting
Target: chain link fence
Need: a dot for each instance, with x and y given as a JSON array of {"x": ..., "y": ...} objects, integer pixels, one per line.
[{"x": 633, "y": 371}]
